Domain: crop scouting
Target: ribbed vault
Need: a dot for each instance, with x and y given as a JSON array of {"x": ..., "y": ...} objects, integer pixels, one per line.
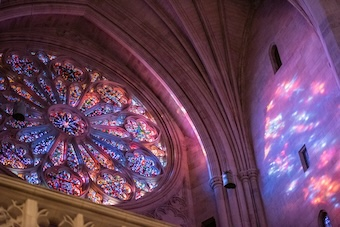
[{"x": 183, "y": 59}]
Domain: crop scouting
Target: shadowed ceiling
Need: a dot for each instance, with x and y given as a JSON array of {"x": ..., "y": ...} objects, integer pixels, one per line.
[{"x": 185, "y": 56}]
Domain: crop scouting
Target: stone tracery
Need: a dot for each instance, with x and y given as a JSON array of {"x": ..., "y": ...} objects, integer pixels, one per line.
[{"x": 83, "y": 135}]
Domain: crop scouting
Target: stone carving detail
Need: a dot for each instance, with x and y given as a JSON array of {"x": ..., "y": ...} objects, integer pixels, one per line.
[
  {"x": 42, "y": 219},
  {"x": 16, "y": 215},
  {"x": 78, "y": 221},
  {"x": 27, "y": 215},
  {"x": 174, "y": 211},
  {"x": 12, "y": 216},
  {"x": 249, "y": 173}
]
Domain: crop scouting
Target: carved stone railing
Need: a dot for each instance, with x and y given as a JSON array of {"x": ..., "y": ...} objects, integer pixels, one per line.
[{"x": 25, "y": 205}]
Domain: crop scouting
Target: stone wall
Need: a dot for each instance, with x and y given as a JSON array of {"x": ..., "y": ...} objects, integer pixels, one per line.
[{"x": 298, "y": 105}]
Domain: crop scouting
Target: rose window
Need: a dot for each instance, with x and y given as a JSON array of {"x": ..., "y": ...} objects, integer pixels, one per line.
[
  {"x": 82, "y": 134},
  {"x": 67, "y": 120}
]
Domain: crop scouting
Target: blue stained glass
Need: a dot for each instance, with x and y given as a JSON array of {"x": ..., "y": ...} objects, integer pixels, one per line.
[
  {"x": 46, "y": 85},
  {"x": 111, "y": 140},
  {"x": 90, "y": 100},
  {"x": 115, "y": 185},
  {"x": 100, "y": 110},
  {"x": 63, "y": 180},
  {"x": 144, "y": 187},
  {"x": 58, "y": 154},
  {"x": 142, "y": 164},
  {"x": 14, "y": 156},
  {"x": 110, "y": 93},
  {"x": 68, "y": 121},
  {"x": 75, "y": 92},
  {"x": 33, "y": 178},
  {"x": 30, "y": 134},
  {"x": 25, "y": 93},
  {"x": 11, "y": 98},
  {"x": 101, "y": 158},
  {"x": 114, "y": 131},
  {"x": 43, "y": 57},
  {"x": 21, "y": 124},
  {"x": 94, "y": 76},
  {"x": 72, "y": 159},
  {"x": 112, "y": 151},
  {"x": 85, "y": 134},
  {"x": 90, "y": 163},
  {"x": 42, "y": 145},
  {"x": 94, "y": 196},
  {"x": 47, "y": 165},
  {"x": 22, "y": 65},
  {"x": 61, "y": 89},
  {"x": 34, "y": 87},
  {"x": 69, "y": 72},
  {"x": 3, "y": 84},
  {"x": 141, "y": 129}
]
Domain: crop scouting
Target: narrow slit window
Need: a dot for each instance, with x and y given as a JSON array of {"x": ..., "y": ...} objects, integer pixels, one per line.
[
  {"x": 210, "y": 222},
  {"x": 324, "y": 220},
  {"x": 304, "y": 157},
  {"x": 275, "y": 58}
]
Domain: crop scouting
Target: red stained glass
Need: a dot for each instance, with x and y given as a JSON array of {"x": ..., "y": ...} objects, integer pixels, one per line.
[{"x": 83, "y": 134}]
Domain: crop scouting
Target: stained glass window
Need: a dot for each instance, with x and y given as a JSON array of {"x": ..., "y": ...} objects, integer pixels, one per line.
[{"x": 83, "y": 135}]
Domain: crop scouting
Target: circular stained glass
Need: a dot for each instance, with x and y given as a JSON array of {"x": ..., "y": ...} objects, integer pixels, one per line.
[
  {"x": 70, "y": 121},
  {"x": 82, "y": 135}
]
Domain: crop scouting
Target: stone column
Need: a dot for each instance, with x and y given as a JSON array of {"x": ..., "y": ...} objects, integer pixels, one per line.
[
  {"x": 78, "y": 221},
  {"x": 253, "y": 197},
  {"x": 243, "y": 175},
  {"x": 217, "y": 185},
  {"x": 253, "y": 173},
  {"x": 30, "y": 213}
]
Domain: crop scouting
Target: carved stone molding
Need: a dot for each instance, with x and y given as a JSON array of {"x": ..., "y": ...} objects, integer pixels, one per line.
[
  {"x": 215, "y": 181},
  {"x": 25, "y": 205},
  {"x": 78, "y": 221},
  {"x": 23, "y": 215},
  {"x": 12, "y": 215},
  {"x": 175, "y": 210},
  {"x": 247, "y": 174}
]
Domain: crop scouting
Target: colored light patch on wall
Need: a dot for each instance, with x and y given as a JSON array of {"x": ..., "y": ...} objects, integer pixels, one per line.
[
  {"x": 295, "y": 114},
  {"x": 321, "y": 190}
]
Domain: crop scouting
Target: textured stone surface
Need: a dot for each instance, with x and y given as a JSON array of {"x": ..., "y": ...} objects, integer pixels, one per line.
[
  {"x": 203, "y": 67},
  {"x": 298, "y": 105}
]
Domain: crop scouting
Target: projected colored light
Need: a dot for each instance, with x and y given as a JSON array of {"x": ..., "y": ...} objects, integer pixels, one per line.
[
  {"x": 283, "y": 163},
  {"x": 295, "y": 114},
  {"x": 274, "y": 126},
  {"x": 322, "y": 189}
]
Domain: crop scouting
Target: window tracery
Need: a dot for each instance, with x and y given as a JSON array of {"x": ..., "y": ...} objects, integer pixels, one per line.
[{"x": 83, "y": 134}]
